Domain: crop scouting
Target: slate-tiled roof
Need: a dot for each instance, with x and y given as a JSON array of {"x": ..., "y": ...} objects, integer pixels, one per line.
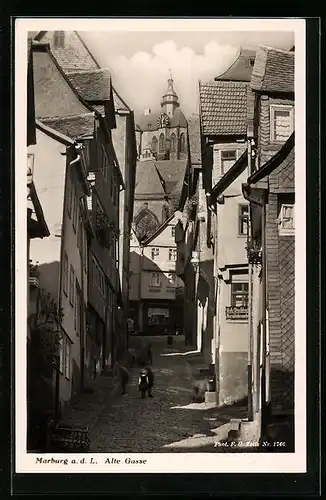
[
  {"x": 150, "y": 174},
  {"x": 223, "y": 107},
  {"x": 171, "y": 171},
  {"x": 68, "y": 59},
  {"x": 93, "y": 86},
  {"x": 73, "y": 126},
  {"x": 147, "y": 180},
  {"x": 241, "y": 69},
  {"x": 273, "y": 70},
  {"x": 118, "y": 102}
]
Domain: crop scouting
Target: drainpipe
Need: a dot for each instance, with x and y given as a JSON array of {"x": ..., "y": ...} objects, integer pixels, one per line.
[
  {"x": 264, "y": 340},
  {"x": 264, "y": 319},
  {"x": 82, "y": 317},
  {"x": 250, "y": 319}
]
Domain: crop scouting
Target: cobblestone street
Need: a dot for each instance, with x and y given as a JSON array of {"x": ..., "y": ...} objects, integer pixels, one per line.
[{"x": 132, "y": 424}]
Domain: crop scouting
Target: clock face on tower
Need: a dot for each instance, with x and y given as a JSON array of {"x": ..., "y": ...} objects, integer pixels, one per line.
[{"x": 163, "y": 120}]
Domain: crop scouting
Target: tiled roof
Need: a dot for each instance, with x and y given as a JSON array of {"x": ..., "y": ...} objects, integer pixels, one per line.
[
  {"x": 73, "y": 126},
  {"x": 118, "y": 102},
  {"x": 69, "y": 60},
  {"x": 241, "y": 68},
  {"x": 223, "y": 107},
  {"x": 147, "y": 180},
  {"x": 178, "y": 119},
  {"x": 194, "y": 139},
  {"x": 94, "y": 85},
  {"x": 273, "y": 70},
  {"x": 172, "y": 171}
]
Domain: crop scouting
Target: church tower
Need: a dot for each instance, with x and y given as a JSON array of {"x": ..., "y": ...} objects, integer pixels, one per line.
[{"x": 170, "y": 100}]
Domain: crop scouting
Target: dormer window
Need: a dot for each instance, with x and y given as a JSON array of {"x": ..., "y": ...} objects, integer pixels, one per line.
[{"x": 281, "y": 117}]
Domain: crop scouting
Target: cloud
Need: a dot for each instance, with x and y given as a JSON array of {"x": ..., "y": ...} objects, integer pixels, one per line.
[{"x": 142, "y": 78}]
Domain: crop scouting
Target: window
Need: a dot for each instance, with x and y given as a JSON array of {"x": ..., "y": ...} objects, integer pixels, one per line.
[
  {"x": 173, "y": 143},
  {"x": 155, "y": 280},
  {"x": 228, "y": 158},
  {"x": 104, "y": 166},
  {"x": 65, "y": 273},
  {"x": 182, "y": 143},
  {"x": 239, "y": 294},
  {"x": 78, "y": 309},
  {"x": 155, "y": 253},
  {"x": 154, "y": 144},
  {"x": 99, "y": 278},
  {"x": 286, "y": 220},
  {"x": 172, "y": 254},
  {"x": 243, "y": 220},
  {"x": 65, "y": 356},
  {"x": 75, "y": 209},
  {"x": 172, "y": 279},
  {"x": 281, "y": 122},
  {"x": 161, "y": 143},
  {"x": 173, "y": 231},
  {"x": 61, "y": 353},
  {"x": 72, "y": 286},
  {"x": 67, "y": 359}
]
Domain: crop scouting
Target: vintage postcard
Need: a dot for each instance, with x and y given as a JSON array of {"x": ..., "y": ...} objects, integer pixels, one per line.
[{"x": 160, "y": 246}]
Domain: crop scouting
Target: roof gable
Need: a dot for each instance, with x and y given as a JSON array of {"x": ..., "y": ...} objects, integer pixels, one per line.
[
  {"x": 223, "y": 108},
  {"x": 54, "y": 94},
  {"x": 273, "y": 71},
  {"x": 170, "y": 221},
  {"x": 241, "y": 69}
]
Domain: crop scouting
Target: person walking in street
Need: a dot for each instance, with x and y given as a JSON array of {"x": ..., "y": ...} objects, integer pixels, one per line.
[
  {"x": 150, "y": 376},
  {"x": 143, "y": 382},
  {"x": 124, "y": 378}
]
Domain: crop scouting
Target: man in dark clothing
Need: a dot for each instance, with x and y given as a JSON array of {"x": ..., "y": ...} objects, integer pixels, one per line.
[
  {"x": 150, "y": 376},
  {"x": 143, "y": 382}
]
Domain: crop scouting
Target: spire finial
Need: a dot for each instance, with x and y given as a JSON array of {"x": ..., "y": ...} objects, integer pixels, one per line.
[{"x": 170, "y": 80}]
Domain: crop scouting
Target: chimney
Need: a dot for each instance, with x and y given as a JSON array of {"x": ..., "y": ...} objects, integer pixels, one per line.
[{"x": 147, "y": 111}]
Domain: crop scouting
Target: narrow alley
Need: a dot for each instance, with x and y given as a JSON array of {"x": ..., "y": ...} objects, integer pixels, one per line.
[{"x": 132, "y": 424}]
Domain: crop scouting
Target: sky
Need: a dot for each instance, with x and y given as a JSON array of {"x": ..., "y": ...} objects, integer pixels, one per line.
[{"x": 140, "y": 61}]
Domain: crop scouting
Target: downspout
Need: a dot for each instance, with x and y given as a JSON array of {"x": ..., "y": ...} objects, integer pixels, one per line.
[
  {"x": 264, "y": 303},
  {"x": 250, "y": 316},
  {"x": 82, "y": 316},
  {"x": 57, "y": 373}
]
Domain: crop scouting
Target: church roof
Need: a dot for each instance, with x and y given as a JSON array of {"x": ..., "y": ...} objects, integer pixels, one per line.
[
  {"x": 149, "y": 122},
  {"x": 273, "y": 70},
  {"x": 223, "y": 107},
  {"x": 148, "y": 183},
  {"x": 178, "y": 119},
  {"x": 241, "y": 69}
]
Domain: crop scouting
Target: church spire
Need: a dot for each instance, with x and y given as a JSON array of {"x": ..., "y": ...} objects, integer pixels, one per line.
[{"x": 170, "y": 100}]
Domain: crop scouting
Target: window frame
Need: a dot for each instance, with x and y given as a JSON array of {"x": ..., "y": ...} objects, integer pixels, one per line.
[
  {"x": 280, "y": 107},
  {"x": 241, "y": 293},
  {"x": 155, "y": 252},
  {"x": 241, "y": 219},
  {"x": 159, "y": 281},
  {"x": 173, "y": 253},
  {"x": 173, "y": 231},
  {"x": 65, "y": 273},
  {"x": 286, "y": 231},
  {"x": 223, "y": 151},
  {"x": 72, "y": 277}
]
